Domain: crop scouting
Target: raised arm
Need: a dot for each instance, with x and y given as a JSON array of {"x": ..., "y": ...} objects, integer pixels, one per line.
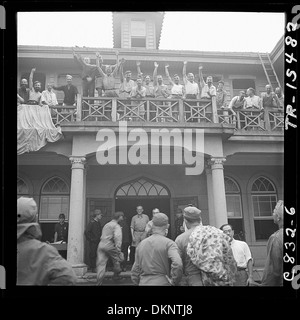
[
  {"x": 155, "y": 74},
  {"x": 201, "y": 80},
  {"x": 99, "y": 64},
  {"x": 77, "y": 58},
  {"x": 121, "y": 70},
  {"x": 117, "y": 66},
  {"x": 184, "y": 72},
  {"x": 168, "y": 75},
  {"x": 138, "y": 66},
  {"x": 31, "y": 78}
]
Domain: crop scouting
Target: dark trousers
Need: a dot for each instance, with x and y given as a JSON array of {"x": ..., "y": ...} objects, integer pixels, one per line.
[
  {"x": 93, "y": 254},
  {"x": 124, "y": 249},
  {"x": 132, "y": 255},
  {"x": 88, "y": 88}
]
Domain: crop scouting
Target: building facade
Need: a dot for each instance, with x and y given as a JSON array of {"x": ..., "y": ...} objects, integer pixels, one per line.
[{"x": 242, "y": 176}]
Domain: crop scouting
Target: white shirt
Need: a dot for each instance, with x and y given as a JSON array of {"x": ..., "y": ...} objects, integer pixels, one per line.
[
  {"x": 49, "y": 97},
  {"x": 204, "y": 92},
  {"x": 241, "y": 253},
  {"x": 191, "y": 87},
  {"x": 253, "y": 102},
  {"x": 177, "y": 89}
]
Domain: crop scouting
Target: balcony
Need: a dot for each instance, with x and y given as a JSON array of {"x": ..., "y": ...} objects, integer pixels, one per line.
[{"x": 150, "y": 111}]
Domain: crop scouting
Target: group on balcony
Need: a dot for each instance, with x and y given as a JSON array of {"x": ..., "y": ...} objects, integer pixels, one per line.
[{"x": 133, "y": 96}]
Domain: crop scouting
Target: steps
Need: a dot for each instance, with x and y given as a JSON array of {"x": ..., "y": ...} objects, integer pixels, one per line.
[
  {"x": 269, "y": 70},
  {"x": 90, "y": 279}
]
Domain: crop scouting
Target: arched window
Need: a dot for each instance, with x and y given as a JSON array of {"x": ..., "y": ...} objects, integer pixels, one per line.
[
  {"x": 22, "y": 188},
  {"x": 55, "y": 197},
  {"x": 264, "y": 199},
  {"x": 141, "y": 188},
  {"x": 234, "y": 207}
]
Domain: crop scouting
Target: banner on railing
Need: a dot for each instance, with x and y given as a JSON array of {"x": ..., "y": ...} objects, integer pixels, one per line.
[{"x": 35, "y": 128}]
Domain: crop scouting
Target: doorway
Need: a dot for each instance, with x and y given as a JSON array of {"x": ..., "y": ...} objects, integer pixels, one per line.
[{"x": 128, "y": 205}]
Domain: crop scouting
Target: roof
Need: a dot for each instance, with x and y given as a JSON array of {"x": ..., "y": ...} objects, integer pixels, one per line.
[{"x": 117, "y": 19}]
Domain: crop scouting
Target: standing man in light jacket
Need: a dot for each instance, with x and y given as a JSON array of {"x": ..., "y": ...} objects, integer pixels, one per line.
[
  {"x": 110, "y": 247},
  {"x": 157, "y": 260}
]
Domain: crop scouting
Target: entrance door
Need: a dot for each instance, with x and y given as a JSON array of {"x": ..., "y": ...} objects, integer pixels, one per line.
[
  {"x": 128, "y": 206},
  {"x": 145, "y": 192}
]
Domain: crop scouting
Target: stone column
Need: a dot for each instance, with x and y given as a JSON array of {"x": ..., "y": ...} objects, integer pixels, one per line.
[
  {"x": 218, "y": 187},
  {"x": 211, "y": 210},
  {"x": 77, "y": 216}
]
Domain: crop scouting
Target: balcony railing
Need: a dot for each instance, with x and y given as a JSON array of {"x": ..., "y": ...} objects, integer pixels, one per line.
[{"x": 166, "y": 110}]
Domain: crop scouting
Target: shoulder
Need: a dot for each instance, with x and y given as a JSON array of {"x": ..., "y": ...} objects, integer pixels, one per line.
[{"x": 181, "y": 238}]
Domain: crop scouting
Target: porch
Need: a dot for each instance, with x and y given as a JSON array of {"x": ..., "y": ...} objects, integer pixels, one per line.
[{"x": 167, "y": 111}]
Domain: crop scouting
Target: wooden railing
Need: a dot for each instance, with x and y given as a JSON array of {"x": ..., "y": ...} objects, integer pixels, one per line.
[
  {"x": 253, "y": 119},
  {"x": 166, "y": 110}
]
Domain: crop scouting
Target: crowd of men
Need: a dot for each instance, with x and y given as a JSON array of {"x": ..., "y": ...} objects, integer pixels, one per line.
[
  {"x": 199, "y": 255},
  {"x": 103, "y": 79}
]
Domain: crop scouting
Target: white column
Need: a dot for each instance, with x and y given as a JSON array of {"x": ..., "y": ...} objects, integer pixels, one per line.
[
  {"x": 211, "y": 210},
  {"x": 218, "y": 187},
  {"x": 77, "y": 216}
]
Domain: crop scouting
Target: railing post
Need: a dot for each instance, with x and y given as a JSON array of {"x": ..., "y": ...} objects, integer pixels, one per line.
[
  {"x": 114, "y": 110},
  {"x": 267, "y": 120},
  {"x": 214, "y": 109},
  {"x": 79, "y": 107},
  {"x": 238, "y": 119},
  {"x": 181, "y": 110},
  {"x": 147, "y": 110}
]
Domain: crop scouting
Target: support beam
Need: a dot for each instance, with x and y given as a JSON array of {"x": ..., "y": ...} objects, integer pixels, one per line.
[
  {"x": 218, "y": 187},
  {"x": 77, "y": 216}
]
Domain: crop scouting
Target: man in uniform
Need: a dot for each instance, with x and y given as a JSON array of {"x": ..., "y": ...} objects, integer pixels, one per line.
[
  {"x": 110, "y": 247},
  {"x": 137, "y": 227},
  {"x": 61, "y": 229},
  {"x": 93, "y": 235},
  {"x": 192, "y": 219},
  {"x": 243, "y": 258},
  {"x": 152, "y": 266},
  {"x": 149, "y": 225}
]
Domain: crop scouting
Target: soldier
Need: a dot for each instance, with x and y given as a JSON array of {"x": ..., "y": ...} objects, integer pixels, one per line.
[
  {"x": 192, "y": 219},
  {"x": 110, "y": 247},
  {"x": 93, "y": 234},
  {"x": 152, "y": 266}
]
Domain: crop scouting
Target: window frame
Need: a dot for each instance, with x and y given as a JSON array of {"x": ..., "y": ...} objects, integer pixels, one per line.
[
  {"x": 54, "y": 194},
  {"x": 236, "y": 193},
  {"x": 261, "y": 193}
]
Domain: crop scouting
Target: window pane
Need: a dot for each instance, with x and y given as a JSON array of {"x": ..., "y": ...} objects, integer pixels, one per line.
[
  {"x": 264, "y": 228},
  {"x": 233, "y": 206},
  {"x": 55, "y": 185},
  {"x": 231, "y": 186},
  {"x": 138, "y": 42},
  {"x": 264, "y": 205},
  {"x": 21, "y": 187},
  {"x": 138, "y": 28},
  {"x": 263, "y": 185},
  {"x": 52, "y": 206}
]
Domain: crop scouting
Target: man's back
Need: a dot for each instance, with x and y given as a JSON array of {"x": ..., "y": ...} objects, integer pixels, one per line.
[
  {"x": 152, "y": 259},
  {"x": 182, "y": 242},
  {"x": 41, "y": 264},
  {"x": 111, "y": 235}
]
